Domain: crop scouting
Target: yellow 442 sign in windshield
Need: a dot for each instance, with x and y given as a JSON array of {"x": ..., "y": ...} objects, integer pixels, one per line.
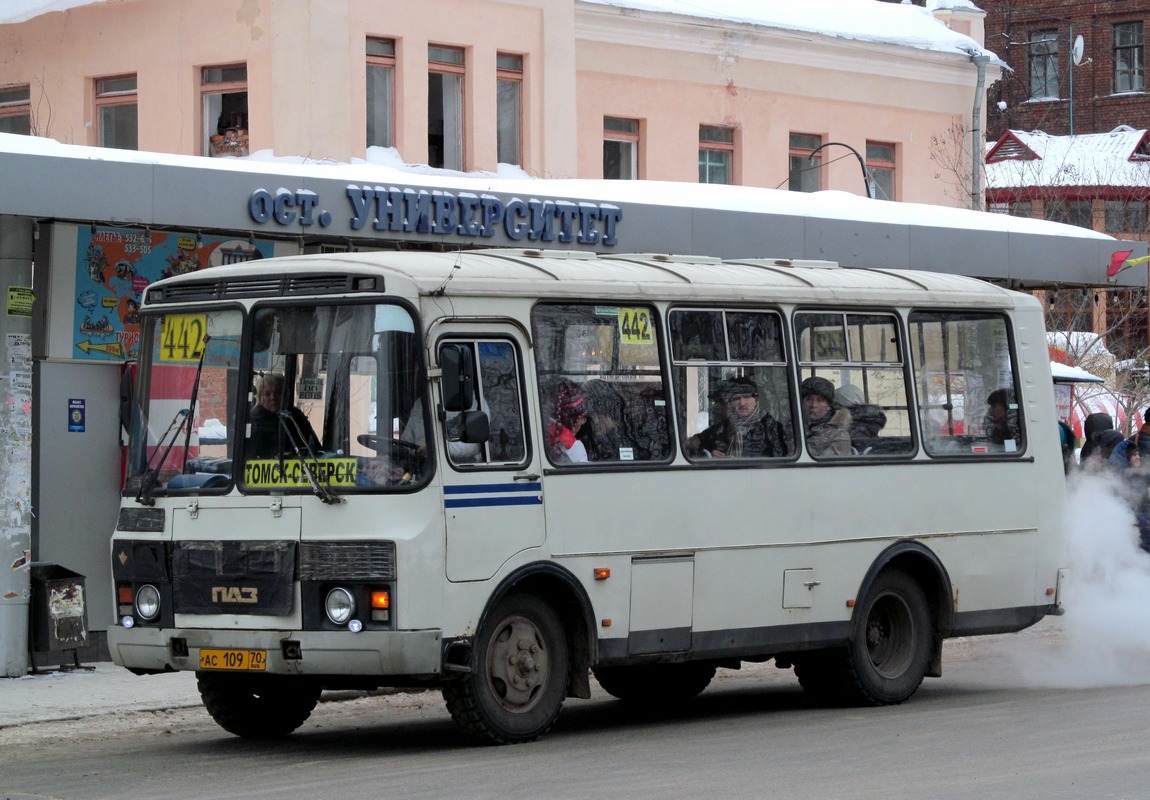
[
  {"x": 182, "y": 338},
  {"x": 272, "y": 473}
]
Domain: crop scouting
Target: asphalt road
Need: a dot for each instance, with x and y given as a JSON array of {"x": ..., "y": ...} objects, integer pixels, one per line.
[{"x": 987, "y": 728}]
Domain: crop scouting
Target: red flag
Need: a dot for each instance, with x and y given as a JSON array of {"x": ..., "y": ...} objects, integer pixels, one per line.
[{"x": 1117, "y": 259}]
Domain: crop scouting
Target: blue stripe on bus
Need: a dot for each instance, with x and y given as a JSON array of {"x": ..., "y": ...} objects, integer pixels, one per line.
[
  {"x": 493, "y": 488},
  {"x": 493, "y": 501}
]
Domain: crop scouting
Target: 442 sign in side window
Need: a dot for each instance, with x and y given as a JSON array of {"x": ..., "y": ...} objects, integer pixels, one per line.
[
  {"x": 182, "y": 338},
  {"x": 635, "y": 325}
]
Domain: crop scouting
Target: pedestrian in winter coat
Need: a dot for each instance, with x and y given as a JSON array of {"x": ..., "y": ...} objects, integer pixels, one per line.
[{"x": 1093, "y": 428}]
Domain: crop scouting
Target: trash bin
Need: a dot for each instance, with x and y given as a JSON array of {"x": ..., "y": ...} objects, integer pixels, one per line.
[{"x": 59, "y": 619}]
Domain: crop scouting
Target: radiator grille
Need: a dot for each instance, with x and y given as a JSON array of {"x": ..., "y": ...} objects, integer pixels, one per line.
[{"x": 351, "y": 561}]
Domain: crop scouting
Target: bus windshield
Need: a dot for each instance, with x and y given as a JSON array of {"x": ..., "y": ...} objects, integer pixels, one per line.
[{"x": 325, "y": 403}]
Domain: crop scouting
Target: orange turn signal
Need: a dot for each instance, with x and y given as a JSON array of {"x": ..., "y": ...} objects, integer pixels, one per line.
[
  {"x": 381, "y": 599},
  {"x": 602, "y": 573},
  {"x": 124, "y": 594}
]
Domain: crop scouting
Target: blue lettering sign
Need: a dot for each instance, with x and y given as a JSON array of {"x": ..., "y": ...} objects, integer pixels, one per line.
[{"x": 403, "y": 209}]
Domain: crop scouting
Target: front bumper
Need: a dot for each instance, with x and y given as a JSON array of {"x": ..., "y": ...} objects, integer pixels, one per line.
[{"x": 377, "y": 653}]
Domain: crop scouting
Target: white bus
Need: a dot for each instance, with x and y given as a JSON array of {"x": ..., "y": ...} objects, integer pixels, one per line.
[{"x": 502, "y": 472}]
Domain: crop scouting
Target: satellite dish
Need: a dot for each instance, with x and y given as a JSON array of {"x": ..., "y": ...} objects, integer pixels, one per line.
[{"x": 1079, "y": 46}]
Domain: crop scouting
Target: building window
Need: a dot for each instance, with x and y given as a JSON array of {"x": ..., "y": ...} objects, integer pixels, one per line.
[
  {"x": 1070, "y": 212},
  {"x": 1126, "y": 216},
  {"x": 117, "y": 112},
  {"x": 716, "y": 154},
  {"x": 1128, "y": 74},
  {"x": 805, "y": 172},
  {"x": 16, "y": 110},
  {"x": 225, "y": 108},
  {"x": 620, "y": 149},
  {"x": 1044, "y": 64},
  {"x": 509, "y": 102},
  {"x": 880, "y": 169},
  {"x": 445, "y": 106},
  {"x": 380, "y": 92}
]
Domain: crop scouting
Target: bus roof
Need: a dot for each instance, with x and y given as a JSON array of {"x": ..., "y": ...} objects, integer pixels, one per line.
[{"x": 570, "y": 274}]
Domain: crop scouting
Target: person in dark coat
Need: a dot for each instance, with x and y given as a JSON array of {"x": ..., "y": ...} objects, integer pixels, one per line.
[
  {"x": 867, "y": 419},
  {"x": 747, "y": 432},
  {"x": 1092, "y": 429}
]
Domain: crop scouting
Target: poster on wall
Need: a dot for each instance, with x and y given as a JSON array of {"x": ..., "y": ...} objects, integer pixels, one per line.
[{"x": 115, "y": 265}]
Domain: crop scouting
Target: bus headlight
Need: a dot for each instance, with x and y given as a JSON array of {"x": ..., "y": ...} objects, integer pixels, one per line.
[
  {"x": 339, "y": 605},
  {"x": 148, "y": 602}
]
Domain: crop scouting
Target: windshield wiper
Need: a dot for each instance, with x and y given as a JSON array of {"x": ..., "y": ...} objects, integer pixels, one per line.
[
  {"x": 183, "y": 417},
  {"x": 301, "y": 443},
  {"x": 151, "y": 475}
]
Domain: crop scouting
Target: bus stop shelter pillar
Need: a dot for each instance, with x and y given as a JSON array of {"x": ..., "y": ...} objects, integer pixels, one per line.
[{"x": 16, "y": 246}]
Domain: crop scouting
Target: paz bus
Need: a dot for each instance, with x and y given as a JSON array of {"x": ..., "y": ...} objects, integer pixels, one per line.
[{"x": 501, "y": 473}]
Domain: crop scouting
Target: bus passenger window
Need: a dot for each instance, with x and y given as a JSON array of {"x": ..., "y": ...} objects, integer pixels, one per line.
[
  {"x": 731, "y": 384},
  {"x": 858, "y": 360},
  {"x": 605, "y": 360},
  {"x": 967, "y": 390}
]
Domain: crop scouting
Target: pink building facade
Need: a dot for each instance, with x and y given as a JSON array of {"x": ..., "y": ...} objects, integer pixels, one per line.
[{"x": 558, "y": 88}]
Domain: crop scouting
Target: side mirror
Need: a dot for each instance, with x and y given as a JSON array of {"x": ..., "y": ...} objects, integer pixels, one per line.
[
  {"x": 458, "y": 377},
  {"x": 475, "y": 427}
]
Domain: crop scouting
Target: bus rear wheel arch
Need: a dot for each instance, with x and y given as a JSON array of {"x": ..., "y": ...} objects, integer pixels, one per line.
[{"x": 519, "y": 673}]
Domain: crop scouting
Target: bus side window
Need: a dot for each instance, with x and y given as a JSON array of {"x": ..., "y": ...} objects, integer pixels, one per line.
[
  {"x": 731, "y": 384},
  {"x": 967, "y": 391},
  {"x": 603, "y": 362}
]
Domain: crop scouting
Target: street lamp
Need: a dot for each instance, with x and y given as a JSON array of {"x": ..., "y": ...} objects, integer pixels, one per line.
[{"x": 868, "y": 182}]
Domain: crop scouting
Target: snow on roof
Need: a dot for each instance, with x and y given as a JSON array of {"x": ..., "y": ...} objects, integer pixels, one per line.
[
  {"x": 864, "y": 20},
  {"x": 383, "y": 166},
  {"x": 1080, "y": 343},
  {"x": 899, "y": 24},
  {"x": 22, "y": 10},
  {"x": 1038, "y": 159},
  {"x": 1064, "y": 373}
]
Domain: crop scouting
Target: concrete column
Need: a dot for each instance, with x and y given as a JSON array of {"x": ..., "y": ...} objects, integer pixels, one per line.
[{"x": 15, "y": 442}]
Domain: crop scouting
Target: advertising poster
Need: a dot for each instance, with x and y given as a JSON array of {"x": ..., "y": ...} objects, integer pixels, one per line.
[{"x": 115, "y": 265}]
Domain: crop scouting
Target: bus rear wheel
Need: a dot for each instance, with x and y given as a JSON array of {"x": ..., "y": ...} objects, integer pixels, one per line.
[
  {"x": 258, "y": 706},
  {"x": 519, "y": 674},
  {"x": 653, "y": 684},
  {"x": 887, "y": 656}
]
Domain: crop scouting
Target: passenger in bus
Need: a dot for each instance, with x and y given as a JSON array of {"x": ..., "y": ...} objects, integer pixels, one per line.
[
  {"x": 601, "y": 434},
  {"x": 1001, "y": 423},
  {"x": 563, "y": 443},
  {"x": 867, "y": 419},
  {"x": 826, "y": 427},
  {"x": 748, "y": 431},
  {"x": 268, "y": 438}
]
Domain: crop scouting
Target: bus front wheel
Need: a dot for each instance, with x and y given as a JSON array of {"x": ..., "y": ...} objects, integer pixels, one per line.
[
  {"x": 519, "y": 673},
  {"x": 888, "y": 655},
  {"x": 257, "y": 706}
]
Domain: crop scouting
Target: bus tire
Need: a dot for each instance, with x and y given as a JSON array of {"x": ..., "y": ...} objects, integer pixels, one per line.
[
  {"x": 257, "y": 706},
  {"x": 888, "y": 655},
  {"x": 655, "y": 684},
  {"x": 519, "y": 674}
]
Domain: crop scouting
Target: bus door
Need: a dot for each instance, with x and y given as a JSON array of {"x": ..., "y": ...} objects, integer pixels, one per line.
[{"x": 492, "y": 494}]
